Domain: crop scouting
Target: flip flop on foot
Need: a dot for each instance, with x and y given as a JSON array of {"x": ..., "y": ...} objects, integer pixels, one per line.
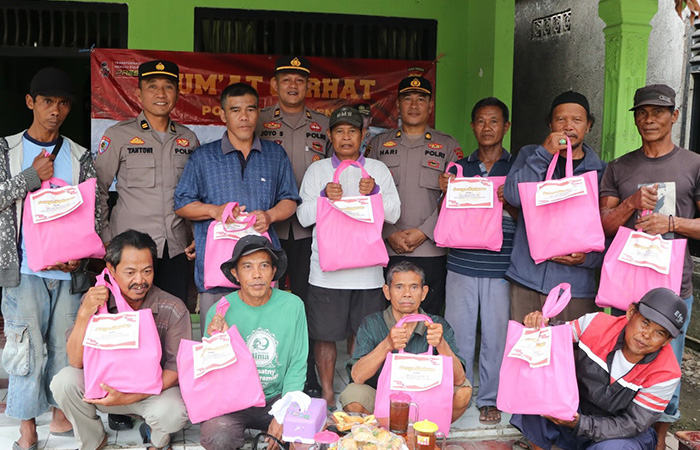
[
  {"x": 489, "y": 415},
  {"x": 15, "y": 446},
  {"x": 68, "y": 433},
  {"x": 522, "y": 444}
]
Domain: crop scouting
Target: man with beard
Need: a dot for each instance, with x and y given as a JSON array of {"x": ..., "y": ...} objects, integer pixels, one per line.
[
  {"x": 130, "y": 258},
  {"x": 569, "y": 116}
]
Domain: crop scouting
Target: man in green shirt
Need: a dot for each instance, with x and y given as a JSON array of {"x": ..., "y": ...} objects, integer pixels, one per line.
[
  {"x": 405, "y": 288},
  {"x": 273, "y": 325}
]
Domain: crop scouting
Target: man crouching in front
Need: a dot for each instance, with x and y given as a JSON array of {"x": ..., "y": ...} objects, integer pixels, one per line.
[
  {"x": 129, "y": 259},
  {"x": 626, "y": 376}
]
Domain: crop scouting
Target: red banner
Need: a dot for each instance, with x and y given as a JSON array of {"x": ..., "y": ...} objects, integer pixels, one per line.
[{"x": 334, "y": 82}]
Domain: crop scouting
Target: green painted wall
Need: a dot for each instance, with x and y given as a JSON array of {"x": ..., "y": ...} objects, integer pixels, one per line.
[{"x": 488, "y": 25}]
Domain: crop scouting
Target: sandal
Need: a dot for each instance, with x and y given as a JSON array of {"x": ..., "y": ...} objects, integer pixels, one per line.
[
  {"x": 522, "y": 444},
  {"x": 489, "y": 415}
]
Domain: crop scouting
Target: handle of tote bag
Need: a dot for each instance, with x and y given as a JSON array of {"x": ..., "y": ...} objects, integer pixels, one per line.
[
  {"x": 460, "y": 171},
  {"x": 569, "y": 171},
  {"x": 221, "y": 308},
  {"x": 557, "y": 300},
  {"x": 344, "y": 165},
  {"x": 415, "y": 318},
  {"x": 103, "y": 279}
]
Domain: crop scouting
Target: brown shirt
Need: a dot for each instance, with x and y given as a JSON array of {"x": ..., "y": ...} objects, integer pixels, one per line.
[
  {"x": 172, "y": 321},
  {"x": 304, "y": 141}
]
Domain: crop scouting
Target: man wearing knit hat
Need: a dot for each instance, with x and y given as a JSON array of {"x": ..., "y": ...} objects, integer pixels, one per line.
[
  {"x": 619, "y": 400},
  {"x": 569, "y": 116},
  {"x": 38, "y": 307},
  {"x": 656, "y": 189}
]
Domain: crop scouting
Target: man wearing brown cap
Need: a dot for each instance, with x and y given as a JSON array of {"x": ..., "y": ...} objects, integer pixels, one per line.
[
  {"x": 656, "y": 189},
  {"x": 38, "y": 307},
  {"x": 416, "y": 156},
  {"x": 569, "y": 116},
  {"x": 147, "y": 155},
  {"x": 302, "y": 133}
]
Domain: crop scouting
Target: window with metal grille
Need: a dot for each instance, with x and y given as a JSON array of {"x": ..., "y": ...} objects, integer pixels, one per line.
[
  {"x": 313, "y": 34},
  {"x": 53, "y": 28}
]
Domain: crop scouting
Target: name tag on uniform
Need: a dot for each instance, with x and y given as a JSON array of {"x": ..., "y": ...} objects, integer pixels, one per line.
[
  {"x": 473, "y": 192},
  {"x": 559, "y": 190},
  {"x": 358, "y": 208},
  {"x": 213, "y": 353},
  {"x": 113, "y": 331},
  {"x": 51, "y": 204},
  {"x": 645, "y": 250}
]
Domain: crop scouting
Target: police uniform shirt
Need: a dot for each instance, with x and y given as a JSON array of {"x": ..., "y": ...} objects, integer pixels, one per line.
[
  {"x": 304, "y": 143},
  {"x": 416, "y": 167},
  {"x": 147, "y": 172}
]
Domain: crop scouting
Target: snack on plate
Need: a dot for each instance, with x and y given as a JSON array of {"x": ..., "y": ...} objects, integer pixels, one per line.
[
  {"x": 371, "y": 437},
  {"x": 345, "y": 421}
]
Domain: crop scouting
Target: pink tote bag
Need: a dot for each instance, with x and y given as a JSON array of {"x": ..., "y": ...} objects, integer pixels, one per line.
[
  {"x": 220, "y": 243},
  {"x": 628, "y": 274},
  {"x": 434, "y": 403},
  {"x": 548, "y": 390},
  {"x": 345, "y": 242},
  {"x": 212, "y": 394},
  {"x": 562, "y": 227},
  {"x": 54, "y": 235},
  {"x": 475, "y": 227},
  {"x": 134, "y": 371}
]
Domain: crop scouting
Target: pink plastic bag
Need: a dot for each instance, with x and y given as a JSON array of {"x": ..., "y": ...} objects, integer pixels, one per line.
[
  {"x": 134, "y": 371},
  {"x": 71, "y": 236},
  {"x": 212, "y": 394},
  {"x": 563, "y": 227},
  {"x": 435, "y": 403},
  {"x": 345, "y": 242},
  {"x": 220, "y": 243},
  {"x": 548, "y": 390},
  {"x": 623, "y": 281},
  {"x": 474, "y": 227}
]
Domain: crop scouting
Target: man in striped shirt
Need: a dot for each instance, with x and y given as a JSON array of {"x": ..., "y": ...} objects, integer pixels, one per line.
[{"x": 626, "y": 375}]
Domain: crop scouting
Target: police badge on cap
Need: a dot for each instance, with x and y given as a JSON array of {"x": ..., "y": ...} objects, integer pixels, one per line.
[
  {"x": 415, "y": 84},
  {"x": 159, "y": 68},
  {"x": 295, "y": 63}
]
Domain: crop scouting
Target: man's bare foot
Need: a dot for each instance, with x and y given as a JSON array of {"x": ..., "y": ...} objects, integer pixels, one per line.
[
  {"x": 59, "y": 422},
  {"x": 28, "y": 435}
]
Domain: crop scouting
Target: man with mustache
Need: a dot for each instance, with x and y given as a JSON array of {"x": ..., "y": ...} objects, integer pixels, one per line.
[
  {"x": 302, "y": 133},
  {"x": 569, "y": 116},
  {"x": 130, "y": 260},
  {"x": 656, "y": 189},
  {"x": 38, "y": 307}
]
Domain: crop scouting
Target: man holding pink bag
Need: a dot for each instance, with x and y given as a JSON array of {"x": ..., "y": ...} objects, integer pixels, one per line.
[
  {"x": 339, "y": 299},
  {"x": 626, "y": 374},
  {"x": 130, "y": 261},
  {"x": 656, "y": 189},
  {"x": 569, "y": 119},
  {"x": 38, "y": 307}
]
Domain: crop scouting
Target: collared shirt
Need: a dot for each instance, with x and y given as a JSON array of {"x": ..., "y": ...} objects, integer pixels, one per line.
[
  {"x": 147, "y": 168},
  {"x": 214, "y": 175},
  {"x": 484, "y": 263},
  {"x": 375, "y": 328},
  {"x": 416, "y": 167},
  {"x": 305, "y": 143},
  {"x": 172, "y": 320}
]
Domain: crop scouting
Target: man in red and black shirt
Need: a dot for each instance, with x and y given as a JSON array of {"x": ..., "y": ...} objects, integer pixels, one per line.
[{"x": 626, "y": 376}]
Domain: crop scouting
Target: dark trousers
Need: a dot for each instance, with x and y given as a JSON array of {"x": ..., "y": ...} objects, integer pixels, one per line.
[
  {"x": 299, "y": 256},
  {"x": 435, "y": 268},
  {"x": 172, "y": 274},
  {"x": 227, "y": 432}
]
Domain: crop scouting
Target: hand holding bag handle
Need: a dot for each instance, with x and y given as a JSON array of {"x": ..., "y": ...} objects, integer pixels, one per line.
[
  {"x": 344, "y": 165},
  {"x": 415, "y": 318},
  {"x": 569, "y": 171},
  {"x": 122, "y": 305},
  {"x": 557, "y": 299},
  {"x": 221, "y": 308},
  {"x": 460, "y": 172}
]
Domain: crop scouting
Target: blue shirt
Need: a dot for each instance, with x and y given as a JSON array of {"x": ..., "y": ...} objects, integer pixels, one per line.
[
  {"x": 216, "y": 173},
  {"x": 484, "y": 263},
  {"x": 62, "y": 169}
]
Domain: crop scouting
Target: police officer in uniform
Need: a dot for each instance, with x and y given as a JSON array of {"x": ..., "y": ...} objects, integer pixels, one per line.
[
  {"x": 416, "y": 155},
  {"x": 302, "y": 133}
]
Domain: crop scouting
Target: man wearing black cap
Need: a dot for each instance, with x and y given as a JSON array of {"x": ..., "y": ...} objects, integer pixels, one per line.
[
  {"x": 656, "y": 189},
  {"x": 38, "y": 307},
  {"x": 339, "y": 300},
  {"x": 569, "y": 116},
  {"x": 147, "y": 154},
  {"x": 626, "y": 376},
  {"x": 273, "y": 323},
  {"x": 302, "y": 133},
  {"x": 416, "y": 156}
]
